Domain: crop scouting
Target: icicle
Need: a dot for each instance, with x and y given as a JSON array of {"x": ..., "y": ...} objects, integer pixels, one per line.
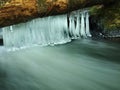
[
  {"x": 47, "y": 31},
  {"x": 78, "y": 24},
  {"x": 83, "y": 34},
  {"x": 72, "y": 25},
  {"x": 87, "y": 25},
  {"x": 11, "y": 28},
  {"x": 43, "y": 31}
]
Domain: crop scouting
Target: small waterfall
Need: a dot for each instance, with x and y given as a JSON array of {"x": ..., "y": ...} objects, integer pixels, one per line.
[{"x": 47, "y": 31}]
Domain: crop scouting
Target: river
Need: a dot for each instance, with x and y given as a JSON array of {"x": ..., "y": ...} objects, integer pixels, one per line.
[{"x": 79, "y": 65}]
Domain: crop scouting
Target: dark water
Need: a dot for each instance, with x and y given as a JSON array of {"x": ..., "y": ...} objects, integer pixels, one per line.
[{"x": 79, "y": 65}]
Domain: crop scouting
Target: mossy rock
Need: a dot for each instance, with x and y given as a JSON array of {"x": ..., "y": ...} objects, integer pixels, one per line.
[{"x": 109, "y": 15}]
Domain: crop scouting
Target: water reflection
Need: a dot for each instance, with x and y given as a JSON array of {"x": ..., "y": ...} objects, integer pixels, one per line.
[{"x": 80, "y": 65}]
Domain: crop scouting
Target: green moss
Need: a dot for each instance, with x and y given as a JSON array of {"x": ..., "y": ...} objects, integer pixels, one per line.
[{"x": 109, "y": 14}]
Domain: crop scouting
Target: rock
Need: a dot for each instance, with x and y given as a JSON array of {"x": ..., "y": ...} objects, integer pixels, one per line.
[
  {"x": 16, "y": 11},
  {"x": 106, "y": 18}
]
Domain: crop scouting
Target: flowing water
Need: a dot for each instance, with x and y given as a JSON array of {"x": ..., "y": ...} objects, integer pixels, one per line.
[{"x": 80, "y": 65}]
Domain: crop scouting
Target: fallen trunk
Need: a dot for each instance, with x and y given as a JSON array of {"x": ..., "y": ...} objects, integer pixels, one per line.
[{"x": 16, "y": 11}]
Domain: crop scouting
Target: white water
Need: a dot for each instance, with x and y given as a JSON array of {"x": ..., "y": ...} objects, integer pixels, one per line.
[{"x": 47, "y": 31}]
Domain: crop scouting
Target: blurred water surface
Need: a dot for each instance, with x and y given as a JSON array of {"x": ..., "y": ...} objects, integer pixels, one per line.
[{"x": 79, "y": 65}]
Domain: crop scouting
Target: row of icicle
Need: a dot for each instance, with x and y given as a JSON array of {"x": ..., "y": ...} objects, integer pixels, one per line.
[{"x": 47, "y": 31}]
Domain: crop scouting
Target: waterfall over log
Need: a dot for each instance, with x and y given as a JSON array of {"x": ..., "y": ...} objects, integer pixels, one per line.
[{"x": 50, "y": 30}]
